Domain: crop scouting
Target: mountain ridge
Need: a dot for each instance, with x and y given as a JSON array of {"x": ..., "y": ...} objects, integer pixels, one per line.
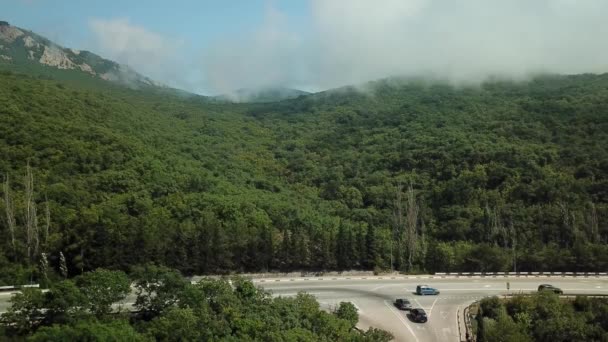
[{"x": 24, "y": 50}]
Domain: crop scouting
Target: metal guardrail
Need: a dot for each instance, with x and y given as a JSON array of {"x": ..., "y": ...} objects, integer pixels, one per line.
[
  {"x": 17, "y": 287},
  {"x": 521, "y": 274},
  {"x": 469, "y": 335}
]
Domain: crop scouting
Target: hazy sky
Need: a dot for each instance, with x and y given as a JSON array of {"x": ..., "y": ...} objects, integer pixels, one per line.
[{"x": 217, "y": 46}]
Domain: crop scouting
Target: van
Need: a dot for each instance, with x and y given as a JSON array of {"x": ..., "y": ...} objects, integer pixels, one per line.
[{"x": 423, "y": 290}]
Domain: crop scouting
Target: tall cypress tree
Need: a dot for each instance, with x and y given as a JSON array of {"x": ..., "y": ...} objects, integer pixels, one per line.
[
  {"x": 285, "y": 259},
  {"x": 371, "y": 247}
]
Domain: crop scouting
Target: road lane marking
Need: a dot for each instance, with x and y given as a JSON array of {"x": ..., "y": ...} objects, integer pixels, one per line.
[
  {"x": 432, "y": 306},
  {"x": 382, "y": 286},
  {"x": 289, "y": 294},
  {"x": 417, "y": 302},
  {"x": 400, "y": 317}
]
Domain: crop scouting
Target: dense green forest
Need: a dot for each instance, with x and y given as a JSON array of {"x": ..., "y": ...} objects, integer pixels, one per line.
[
  {"x": 168, "y": 308},
  {"x": 411, "y": 175},
  {"x": 542, "y": 317}
]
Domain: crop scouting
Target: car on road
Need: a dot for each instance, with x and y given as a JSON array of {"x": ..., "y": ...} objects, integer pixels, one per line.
[
  {"x": 418, "y": 315},
  {"x": 423, "y": 290},
  {"x": 551, "y": 288},
  {"x": 403, "y": 304}
]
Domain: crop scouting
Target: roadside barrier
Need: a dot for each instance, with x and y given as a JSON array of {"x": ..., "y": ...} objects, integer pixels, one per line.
[
  {"x": 447, "y": 275},
  {"x": 17, "y": 287}
]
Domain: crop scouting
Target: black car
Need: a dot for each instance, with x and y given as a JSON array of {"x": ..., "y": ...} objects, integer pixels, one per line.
[
  {"x": 418, "y": 315},
  {"x": 548, "y": 287},
  {"x": 403, "y": 304}
]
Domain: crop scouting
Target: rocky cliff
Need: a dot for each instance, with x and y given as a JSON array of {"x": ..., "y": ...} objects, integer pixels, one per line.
[{"x": 21, "y": 47}]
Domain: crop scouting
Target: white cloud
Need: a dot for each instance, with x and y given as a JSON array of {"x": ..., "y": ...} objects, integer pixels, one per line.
[
  {"x": 352, "y": 41},
  {"x": 265, "y": 57},
  {"x": 152, "y": 54}
]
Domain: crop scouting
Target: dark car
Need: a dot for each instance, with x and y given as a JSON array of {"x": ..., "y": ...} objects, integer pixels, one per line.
[
  {"x": 403, "y": 304},
  {"x": 418, "y": 315},
  {"x": 548, "y": 287}
]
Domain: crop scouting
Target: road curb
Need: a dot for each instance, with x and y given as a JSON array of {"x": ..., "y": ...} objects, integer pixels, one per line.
[{"x": 470, "y": 275}]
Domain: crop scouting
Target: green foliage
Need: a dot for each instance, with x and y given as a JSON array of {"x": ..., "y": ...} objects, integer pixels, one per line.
[
  {"x": 177, "y": 325},
  {"x": 157, "y": 288},
  {"x": 348, "y": 312},
  {"x": 508, "y": 176},
  {"x": 209, "y": 310},
  {"x": 26, "y": 311},
  {"x": 373, "y": 334},
  {"x": 102, "y": 288},
  {"x": 542, "y": 317},
  {"x": 504, "y": 329},
  {"x": 89, "y": 331},
  {"x": 65, "y": 301}
]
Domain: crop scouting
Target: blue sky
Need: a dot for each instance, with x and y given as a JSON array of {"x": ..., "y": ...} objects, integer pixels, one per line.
[
  {"x": 196, "y": 25},
  {"x": 198, "y": 22},
  {"x": 215, "y": 46}
]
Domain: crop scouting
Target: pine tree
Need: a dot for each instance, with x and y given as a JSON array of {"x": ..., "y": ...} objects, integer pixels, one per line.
[
  {"x": 411, "y": 221},
  {"x": 286, "y": 252},
  {"x": 371, "y": 247}
]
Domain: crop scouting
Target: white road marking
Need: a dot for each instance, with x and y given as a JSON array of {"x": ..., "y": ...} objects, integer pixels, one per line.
[
  {"x": 381, "y": 287},
  {"x": 417, "y": 302},
  {"x": 289, "y": 294},
  {"x": 487, "y": 286},
  {"x": 400, "y": 317},
  {"x": 432, "y": 306},
  {"x": 486, "y": 289}
]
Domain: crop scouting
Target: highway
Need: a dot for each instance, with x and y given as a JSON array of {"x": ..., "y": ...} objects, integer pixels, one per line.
[{"x": 374, "y": 296}]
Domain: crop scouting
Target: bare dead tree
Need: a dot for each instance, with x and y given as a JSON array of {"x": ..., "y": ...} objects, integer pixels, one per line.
[
  {"x": 10, "y": 211},
  {"x": 496, "y": 227},
  {"x": 36, "y": 232},
  {"x": 423, "y": 241},
  {"x": 594, "y": 224},
  {"x": 565, "y": 213},
  {"x": 47, "y": 221},
  {"x": 513, "y": 234},
  {"x": 411, "y": 222},
  {"x": 398, "y": 222},
  {"x": 489, "y": 223},
  {"x": 31, "y": 216}
]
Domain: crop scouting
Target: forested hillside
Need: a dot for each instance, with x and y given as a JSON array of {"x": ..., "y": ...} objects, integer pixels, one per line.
[{"x": 412, "y": 175}]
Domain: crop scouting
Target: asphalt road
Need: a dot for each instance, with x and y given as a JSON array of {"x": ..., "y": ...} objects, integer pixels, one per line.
[{"x": 374, "y": 296}]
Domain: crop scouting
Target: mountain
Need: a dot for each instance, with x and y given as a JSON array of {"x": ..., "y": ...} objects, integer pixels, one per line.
[
  {"x": 268, "y": 94},
  {"x": 502, "y": 173},
  {"x": 28, "y": 52}
]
